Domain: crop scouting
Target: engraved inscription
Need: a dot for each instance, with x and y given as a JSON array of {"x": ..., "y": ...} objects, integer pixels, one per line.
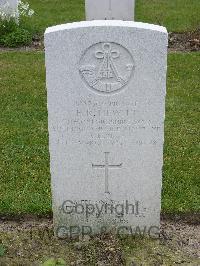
[
  {"x": 106, "y": 166},
  {"x": 106, "y": 67},
  {"x": 108, "y": 122}
]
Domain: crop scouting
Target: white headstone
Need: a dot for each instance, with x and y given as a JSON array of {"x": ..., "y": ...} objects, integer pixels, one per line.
[
  {"x": 10, "y": 7},
  {"x": 106, "y": 83},
  {"x": 110, "y": 9}
]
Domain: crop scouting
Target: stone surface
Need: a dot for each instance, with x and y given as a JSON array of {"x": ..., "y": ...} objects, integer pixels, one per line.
[
  {"x": 106, "y": 83},
  {"x": 9, "y": 6},
  {"x": 110, "y": 9}
]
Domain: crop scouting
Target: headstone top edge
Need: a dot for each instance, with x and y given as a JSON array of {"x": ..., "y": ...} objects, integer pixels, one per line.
[{"x": 109, "y": 23}]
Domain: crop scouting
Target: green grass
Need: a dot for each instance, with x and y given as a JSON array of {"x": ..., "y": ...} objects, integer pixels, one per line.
[
  {"x": 182, "y": 145},
  {"x": 53, "y": 12},
  {"x": 176, "y": 15},
  {"x": 24, "y": 168}
]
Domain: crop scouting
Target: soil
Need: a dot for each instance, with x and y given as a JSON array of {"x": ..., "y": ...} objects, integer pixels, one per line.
[
  {"x": 183, "y": 42},
  {"x": 30, "y": 241}
]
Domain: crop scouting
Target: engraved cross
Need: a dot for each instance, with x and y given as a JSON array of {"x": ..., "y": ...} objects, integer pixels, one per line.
[{"x": 106, "y": 166}]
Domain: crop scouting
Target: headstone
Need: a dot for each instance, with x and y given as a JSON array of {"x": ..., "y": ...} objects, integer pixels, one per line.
[
  {"x": 9, "y": 7},
  {"x": 110, "y": 9},
  {"x": 106, "y": 83}
]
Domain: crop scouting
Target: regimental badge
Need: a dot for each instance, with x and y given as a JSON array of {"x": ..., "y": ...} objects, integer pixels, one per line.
[{"x": 106, "y": 67}]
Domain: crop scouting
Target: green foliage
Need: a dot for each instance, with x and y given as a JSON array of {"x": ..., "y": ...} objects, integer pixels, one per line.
[
  {"x": 13, "y": 34},
  {"x": 17, "y": 32},
  {"x": 7, "y": 26},
  {"x": 54, "y": 262},
  {"x": 18, "y": 37},
  {"x": 2, "y": 250}
]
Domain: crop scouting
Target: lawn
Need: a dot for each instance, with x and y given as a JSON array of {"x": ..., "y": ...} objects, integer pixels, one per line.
[
  {"x": 24, "y": 167},
  {"x": 181, "y": 190},
  {"x": 176, "y": 15},
  {"x": 25, "y": 177}
]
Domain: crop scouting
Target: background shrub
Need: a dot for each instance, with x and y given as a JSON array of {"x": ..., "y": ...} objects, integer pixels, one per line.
[
  {"x": 18, "y": 37},
  {"x": 17, "y": 32}
]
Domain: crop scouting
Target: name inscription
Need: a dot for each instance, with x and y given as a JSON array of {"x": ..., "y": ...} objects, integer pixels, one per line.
[{"x": 109, "y": 122}]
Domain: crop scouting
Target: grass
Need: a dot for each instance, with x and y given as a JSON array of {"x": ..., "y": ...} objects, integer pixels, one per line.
[
  {"x": 176, "y": 15},
  {"x": 53, "y": 12},
  {"x": 24, "y": 168},
  {"x": 182, "y": 145}
]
